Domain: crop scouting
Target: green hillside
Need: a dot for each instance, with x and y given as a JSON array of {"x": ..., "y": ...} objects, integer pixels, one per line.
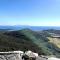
[
  {"x": 42, "y": 41},
  {"x": 27, "y": 39},
  {"x": 16, "y": 42}
]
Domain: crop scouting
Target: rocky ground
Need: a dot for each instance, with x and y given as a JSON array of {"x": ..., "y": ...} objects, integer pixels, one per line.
[
  {"x": 40, "y": 58},
  {"x": 53, "y": 58},
  {"x": 10, "y": 57},
  {"x": 18, "y": 57}
]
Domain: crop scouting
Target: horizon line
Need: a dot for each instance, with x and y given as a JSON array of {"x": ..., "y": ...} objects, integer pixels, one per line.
[{"x": 30, "y": 25}]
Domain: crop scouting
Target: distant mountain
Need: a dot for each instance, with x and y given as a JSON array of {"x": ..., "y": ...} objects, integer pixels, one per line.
[{"x": 35, "y": 28}]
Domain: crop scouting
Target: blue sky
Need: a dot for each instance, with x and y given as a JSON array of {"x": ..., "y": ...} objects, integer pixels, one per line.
[{"x": 30, "y": 12}]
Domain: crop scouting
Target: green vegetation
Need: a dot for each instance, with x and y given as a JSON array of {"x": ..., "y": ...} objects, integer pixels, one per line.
[{"x": 27, "y": 39}]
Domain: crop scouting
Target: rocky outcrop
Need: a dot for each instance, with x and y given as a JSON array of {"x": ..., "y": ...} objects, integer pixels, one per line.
[
  {"x": 20, "y": 55},
  {"x": 10, "y": 56}
]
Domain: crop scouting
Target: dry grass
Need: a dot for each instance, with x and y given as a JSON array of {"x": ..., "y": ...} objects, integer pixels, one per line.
[{"x": 55, "y": 41}]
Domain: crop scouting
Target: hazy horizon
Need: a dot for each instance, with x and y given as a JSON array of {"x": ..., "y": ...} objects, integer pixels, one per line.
[{"x": 30, "y": 25}]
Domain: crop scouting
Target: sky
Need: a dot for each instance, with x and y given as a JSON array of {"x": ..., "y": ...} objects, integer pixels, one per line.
[{"x": 30, "y": 12}]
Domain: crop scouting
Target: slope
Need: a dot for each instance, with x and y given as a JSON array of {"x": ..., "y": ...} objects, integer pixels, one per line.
[{"x": 27, "y": 39}]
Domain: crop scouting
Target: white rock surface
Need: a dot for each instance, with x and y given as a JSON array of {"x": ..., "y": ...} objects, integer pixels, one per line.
[
  {"x": 31, "y": 54},
  {"x": 10, "y": 56},
  {"x": 53, "y": 58}
]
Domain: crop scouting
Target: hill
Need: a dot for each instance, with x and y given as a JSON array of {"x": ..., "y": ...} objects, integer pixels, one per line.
[
  {"x": 27, "y": 39},
  {"x": 13, "y": 40}
]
